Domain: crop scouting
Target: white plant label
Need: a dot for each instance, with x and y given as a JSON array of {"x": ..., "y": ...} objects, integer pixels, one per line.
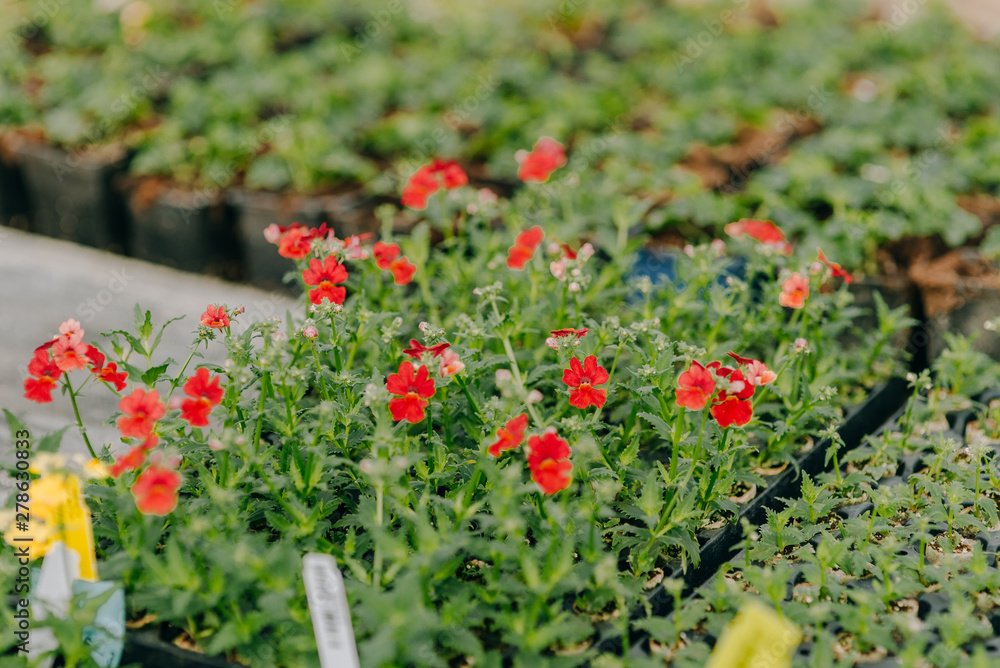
[{"x": 331, "y": 617}]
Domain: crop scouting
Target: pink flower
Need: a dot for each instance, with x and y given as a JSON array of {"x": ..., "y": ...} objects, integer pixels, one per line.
[
  {"x": 272, "y": 233},
  {"x": 558, "y": 269},
  {"x": 70, "y": 353},
  {"x": 697, "y": 385},
  {"x": 450, "y": 363},
  {"x": 794, "y": 291},
  {"x": 71, "y": 328},
  {"x": 215, "y": 317}
]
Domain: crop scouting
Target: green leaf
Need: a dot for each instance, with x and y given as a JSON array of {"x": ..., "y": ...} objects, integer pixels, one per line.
[
  {"x": 14, "y": 424},
  {"x": 629, "y": 454},
  {"x": 50, "y": 442},
  {"x": 151, "y": 375},
  {"x": 661, "y": 427}
]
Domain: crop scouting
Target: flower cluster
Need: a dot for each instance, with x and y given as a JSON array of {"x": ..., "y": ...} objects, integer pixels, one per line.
[
  {"x": 294, "y": 241},
  {"x": 569, "y": 263},
  {"x": 728, "y": 390},
  {"x": 548, "y": 454},
  {"x": 430, "y": 178},
  {"x": 64, "y": 353}
]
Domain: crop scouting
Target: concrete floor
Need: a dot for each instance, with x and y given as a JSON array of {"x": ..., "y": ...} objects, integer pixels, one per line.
[{"x": 44, "y": 281}]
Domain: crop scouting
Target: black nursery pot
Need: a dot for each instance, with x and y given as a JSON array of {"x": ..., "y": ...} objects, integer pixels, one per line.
[
  {"x": 254, "y": 211},
  {"x": 720, "y": 546},
  {"x": 147, "y": 649},
  {"x": 13, "y": 199},
  {"x": 72, "y": 194},
  {"x": 896, "y": 291},
  {"x": 346, "y": 214},
  {"x": 190, "y": 230}
]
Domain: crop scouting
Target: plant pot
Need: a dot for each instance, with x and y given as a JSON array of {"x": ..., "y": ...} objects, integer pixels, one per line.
[
  {"x": 189, "y": 230},
  {"x": 146, "y": 649},
  {"x": 960, "y": 293},
  {"x": 723, "y": 544},
  {"x": 72, "y": 194},
  {"x": 896, "y": 291},
  {"x": 254, "y": 210},
  {"x": 14, "y": 208}
]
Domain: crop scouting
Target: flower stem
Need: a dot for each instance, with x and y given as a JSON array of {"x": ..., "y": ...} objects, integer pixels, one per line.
[
  {"x": 336, "y": 346},
  {"x": 79, "y": 420},
  {"x": 319, "y": 370},
  {"x": 174, "y": 383},
  {"x": 715, "y": 470},
  {"x": 513, "y": 364},
  {"x": 468, "y": 397}
]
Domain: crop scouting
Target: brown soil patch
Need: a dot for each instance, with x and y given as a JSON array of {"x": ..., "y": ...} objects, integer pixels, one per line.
[{"x": 952, "y": 279}]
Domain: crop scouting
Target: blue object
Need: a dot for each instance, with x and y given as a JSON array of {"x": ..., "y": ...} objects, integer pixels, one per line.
[{"x": 660, "y": 265}]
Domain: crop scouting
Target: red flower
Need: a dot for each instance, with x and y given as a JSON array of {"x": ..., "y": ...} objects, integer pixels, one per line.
[
  {"x": 763, "y": 231},
  {"x": 428, "y": 179},
  {"x": 385, "y": 254},
  {"x": 530, "y": 238},
  {"x": 548, "y": 459},
  {"x": 70, "y": 353},
  {"x": 215, "y": 318},
  {"x": 142, "y": 409},
  {"x": 110, "y": 374},
  {"x": 732, "y": 407},
  {"x": 130, "y": 461},
  {"x": 835, "y": 269},
  {"x": 294, "y": 241},
  {"x": 205, "y": 393},
  {"x": 412, "y": 390},
  {"x": 732, "y": 410},
  {"x": 569, "y": 331},
  {"x": 582, "y": 379},
  {"x": 324, "y": 275},
  {"x": 402, "y": 270},
  {"x": 419, "y": 187},
  {"x": 741, "y": 388},
  {"x": 45, "y": 374},
  {"x": 547, "y": 156},
  {"x": 794, "y": 291},
  {"x": 417, "y": 349},
  {"x": 96, "y": 358},
  {"x": 155, "y": 490},
  {"x": 295, "y": 244},
  {"x": 509, "y": 436},
  {"x": 696, "y": 387},
  {"x": 451, "y": 174},
  {"x": 524, "y": 247}
]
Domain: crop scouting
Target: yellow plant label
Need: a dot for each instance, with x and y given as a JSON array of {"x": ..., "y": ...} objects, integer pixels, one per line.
[
  {"x": 76, "y": 530},
  {"x": 756, "y": 638}
]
